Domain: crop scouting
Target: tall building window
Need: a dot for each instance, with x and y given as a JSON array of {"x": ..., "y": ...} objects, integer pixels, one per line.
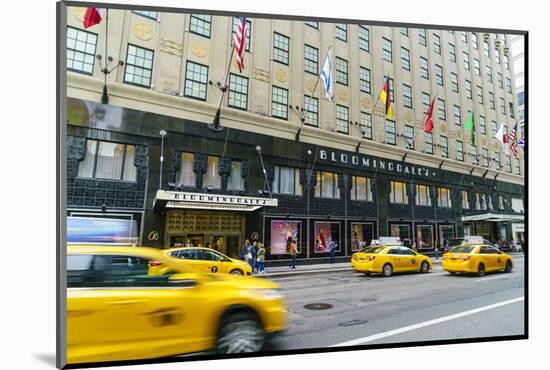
[
  {"x": 508, "y": 85},
  {"x": 502, "y": 106},
  {"x": 425, "y": 102},
  {"x": 485, "y": 156},
  {"x": 474, "y": 40},
  {"x": 469, "y": 89},
  {"x": 482, "y": 127},
  {"x": 390, "y": 88},
  {"x": 437, "y": 43},
  {"x": 279, "y": 102},
  {"x": 509, "y": 164},
  {"x": 507, "y": 62},
  {"x": 238, "y": 91},
  {"x": 423, "y": 196},
  {"x": 139, "y": 66},
  {"x": 496, "y": 156},
  {"x": 477, "y": 68},
  {"x": 327, "y": 185},
  {"x": 342, "y": 119},
  {"x": 313, "y": 24},
  {"x": 494, "y": 127},
  {"x": 404, "y": 31},
  {"x": 311, "y": 59},
  {"x": 281, "y": 47},
  {"x": 311, "y": 105},
  {"x": 499, "y": 80},
  {"x": 511, "y": 107},
  {"x": 366, "y": 125},
  {"x": 398, "y": 193},
  {"x": 81, "y": 47},
  {"x": 441, "y": 109},
  {"x": 429, "y": 149},
  {"x": 342, "y": 71},
  {"x": 444, "y": 144},
  {"x": 107, "y": 160},
  {"x": 439, "y": 75},
  {"x": 405, "y": 59},
  {"x": 517, "y": 166},
  {"x": 212, "y": 176},
  {"x": 454, "y": 82},
  {"x": 187, "y": 177},
  {"x": 466, "y": 59},
  {"x": 486, "y": 48},
  {"x": 492, "y": 100},
  {"x": 473, "y": 152},
  {"x": 248, "y": 32},
  {"x": 489, "y": 72},
  {"x": 452, "y": 53},
  {"x": 387, "y": 49},
  {"x": 235, "y": 181},
  {"x": 456, "y": 114},
  {"x": 443, "y": 198},
  {"x": 407, "y": 96},
  {"x": 201, "y": 24},
  {"x": 361, "y": 188},
  {"x": 390, "y": 132},
  {"x": 196, "y": 80},
  {"x": 364, "y": 80},
  {"x": 459, "y": 151},
  {"x": 363, "y": 38},
  {"x": 409, "y": 137},
  {"x": 148, "y": 14},
  {"x": 465, "y": 200},
  {"x": 424, "y": 73},
  {"x": 422, "y": 37},
  {"x": 464, "y": 37},
  {"x": 286, "y": 180},
  {"x": 497, "y": 55},
  {"x": 341, "y": 31},
  {"x": 479, "y": 95}
]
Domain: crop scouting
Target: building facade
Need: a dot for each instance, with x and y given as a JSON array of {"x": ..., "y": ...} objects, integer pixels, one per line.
[{"x": 288, "y": 162}]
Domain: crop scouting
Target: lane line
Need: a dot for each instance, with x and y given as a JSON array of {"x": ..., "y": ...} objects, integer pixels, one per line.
[
  {"x": 493, "y": 278},
  {"x": 389, "y": 333}
]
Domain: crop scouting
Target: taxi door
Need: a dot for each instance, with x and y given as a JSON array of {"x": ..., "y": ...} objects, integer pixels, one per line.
[
  {"x": 394, "y": 256},
  {"x": 212, "y": 262},
  {"x": 487, "y": 256},
  {"x": 192, "y": 259},
  {"x": 409, "y": 260}
]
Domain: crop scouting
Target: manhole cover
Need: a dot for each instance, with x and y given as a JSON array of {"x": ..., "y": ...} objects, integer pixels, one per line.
[
  {"x": 368, "y": 300},
  {"x": 352, "y": 322},
  {"x": 318, "y": 306}
]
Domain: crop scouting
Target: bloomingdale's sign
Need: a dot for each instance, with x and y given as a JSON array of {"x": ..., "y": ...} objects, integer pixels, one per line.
[
  {"x": 363, "y": 161},
  {"x": 214, "y": 198}
]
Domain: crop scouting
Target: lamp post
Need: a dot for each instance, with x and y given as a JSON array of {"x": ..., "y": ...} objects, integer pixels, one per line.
[{"x": 162, "y": 135}]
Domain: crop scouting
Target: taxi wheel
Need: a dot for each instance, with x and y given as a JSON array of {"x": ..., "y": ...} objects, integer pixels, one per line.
[
  {"x": 481, "y": 269},
  {"x": 508, "y": 267},
  {"x": 452, "y": 272},
  {"x": 367, "y": 273},
  {"x": 424, "y": 267},
  {"x": 236, "y": 272},
  {"x": 240, "y": 333},
  {"x": 387, "y": 270}
]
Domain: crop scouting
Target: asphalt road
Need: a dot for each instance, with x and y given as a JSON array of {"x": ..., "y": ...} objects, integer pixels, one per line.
[{"x": 402, "y": 308}]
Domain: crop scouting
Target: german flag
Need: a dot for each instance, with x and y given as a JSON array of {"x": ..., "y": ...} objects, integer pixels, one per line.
[{"x": 385, "y": 97}]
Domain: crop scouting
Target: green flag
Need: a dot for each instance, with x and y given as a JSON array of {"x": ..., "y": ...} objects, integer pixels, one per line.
[{"x": 471, "y": 127}]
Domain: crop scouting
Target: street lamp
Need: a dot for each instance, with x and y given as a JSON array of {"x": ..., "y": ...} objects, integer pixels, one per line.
[{"x": 162, "y": 135}]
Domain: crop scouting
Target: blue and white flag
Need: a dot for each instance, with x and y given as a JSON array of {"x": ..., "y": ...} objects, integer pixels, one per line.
[{"x": 326, "y": 76}]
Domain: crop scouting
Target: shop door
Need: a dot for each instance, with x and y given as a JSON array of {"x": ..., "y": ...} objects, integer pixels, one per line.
[{"x": 232, "y": 246}]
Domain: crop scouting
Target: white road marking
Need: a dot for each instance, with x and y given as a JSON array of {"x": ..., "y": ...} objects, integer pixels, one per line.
[
  {"x": 493, "y": 278},
  {"x": 389, "y": 333}
]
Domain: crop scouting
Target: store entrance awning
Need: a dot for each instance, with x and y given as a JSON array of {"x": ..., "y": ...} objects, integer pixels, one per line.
[
  {"x": 210, "y": 201},
  {"x": 494, "y": 217}
]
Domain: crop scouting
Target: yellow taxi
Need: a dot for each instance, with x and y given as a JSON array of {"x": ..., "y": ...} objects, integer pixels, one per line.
[
  {"x": 202, "y": 259},
  {"x": 476, "y": 259},
  {"x": 117, "y": 311},
  {"x": 387, "y": 259}
]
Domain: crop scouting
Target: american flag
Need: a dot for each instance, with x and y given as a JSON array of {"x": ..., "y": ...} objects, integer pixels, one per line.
[
  {"x": 521, "y": 142},
  {"x": 239, "y": 42},
  {"x": 512, "y": 137}
]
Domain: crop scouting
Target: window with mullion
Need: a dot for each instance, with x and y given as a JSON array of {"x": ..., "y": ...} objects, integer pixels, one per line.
[
  {"x": 313, "y": 24},
  {"x": 454, "y": 82},
  {"x": 443, "y": 198},
  {"x": 422, "y": 37},
  {"x": 502, "y": 106},
  {"x": 279, "y": 102},
  {"x": 196, "y": 81},
  {"x": 437, "y": 43},
  {"x": 361, "y": 188},
  {"x": 341, "y": 31},
  {"x": 517, "y": 166},
  {"x": 473, "y": 153},
  {"x": 511, "y": 109},
  {"x": 474, "y": 41},
  {"x": 508, "y": 164},
  {"x": 425, "y": 102},
  {"x": 469, "y": 89},
  {"x": 81, "y": 48},
  {"x": 311, "y": 116},
  {"x": 405, "y": 59},
  {"x": 109, "y": 161},
  {"x": 422, "y": 197},
  {"x": 342, "y": 71},
  {"x": 429, "y": 147},
  {"x": 452, "y": 53},
  {"x": 366, "y": 125},
  {"x": 327, "y": 185},
  {"x": 509, "y": 85},
  {"x": 424, "y": 72},
  {"x": 439, "y": 75},
  {"x": 492, "y": 100},
  {"x": 496, "y": 157},
  {"x": 238, "y": 92},
  {"x": 212, "y": 176},
  {"x": 464, "y": 37},
  {"x": 387, "y": 50},
  {"x": 200, "y": 24},
  {"x": 477, "y": 67},
  {"x": 485, "y": 155},
  {"x": 364, "y": 80},
  {"x": 248, "y": 32},
  {"x": 281, "y": 47},
  {"x": 286, "y": 180},
  {"x": 489, "y": 72},
  {"x": 466, "y": 59},
  {"x": 390, "y": 132},
  {"x": 311, "y": 59},
  {"x": 482, "y": 127},
  {"x": 147, "y": 14},
  {"x": 459, "y": 151},
  {"x": 407, "y": 96},
  {"x": 494, "y": 127},
  {"x": 465, "y": 200},
  {"x": 479, "y": 95},
  {"x": 139, "y": 66},
  {"x": 409, "y": 137},
  {"x": 500, "y": 80},
  {"x": 404, "y": 31},
  {"x": 398, "y": 192},
  {"x": 363, "y": 38},
  {"x": 444, "y": 144},
  {"x": 486, "y": 48},
  {"x": 457, "y": 115},
  {"x": 342, "y": 119},
  {"x": 497, "y": 55}
]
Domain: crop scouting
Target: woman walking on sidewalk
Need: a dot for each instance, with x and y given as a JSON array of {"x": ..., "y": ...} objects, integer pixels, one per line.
[
  {"x": 261, "y": 258},
  {"x": 293, "y": 252}
]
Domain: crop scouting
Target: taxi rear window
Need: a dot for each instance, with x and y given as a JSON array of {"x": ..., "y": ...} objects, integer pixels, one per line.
[
  {"x": 372, "y": 249},
  {"x": 463, "y": 249}
]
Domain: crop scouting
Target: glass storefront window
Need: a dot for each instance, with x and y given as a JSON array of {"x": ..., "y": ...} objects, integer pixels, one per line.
[
  {"x": 212, "y": 177},
  {"x": 424, "y": 237}
]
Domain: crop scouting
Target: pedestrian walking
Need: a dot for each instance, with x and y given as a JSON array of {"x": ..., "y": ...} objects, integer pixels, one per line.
[
  {"x": 244, "y": 250},
  {"x": 293, "y": 252},
  {"x": 254, "y": 256},
  {"x": 332, "y": 252},
  {"x": 261, "y": 258}
]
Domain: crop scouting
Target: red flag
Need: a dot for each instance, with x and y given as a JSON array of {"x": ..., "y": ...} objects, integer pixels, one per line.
[
  {"x": 91, "y": 17},
  {"x": 239, "y": 42},
  {"x": 429, "y": 123}
]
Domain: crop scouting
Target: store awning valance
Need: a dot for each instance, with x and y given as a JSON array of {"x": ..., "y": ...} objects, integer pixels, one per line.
[
  {"x": 494, "y": 217},
  {"x": 210, "y": 201}
]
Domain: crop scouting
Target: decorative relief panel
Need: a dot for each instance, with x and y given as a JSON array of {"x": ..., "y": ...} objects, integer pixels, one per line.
[
  {"x": 365, "y": 102},
  {"x": 310, "y": 84},
  {"x": 199, "y": 49},
  {"x": 281, "y": 75},
  {"x": 260, "y": 74},
  {"x": 171, "y": 47},
  {"x": 143, "y": 31},
  {"x": 342, "y": 95},
  {"x": 184, "y": 223}
]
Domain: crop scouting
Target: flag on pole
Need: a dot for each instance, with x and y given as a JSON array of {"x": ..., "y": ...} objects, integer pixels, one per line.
[
  {"x": 386, "y": 98},
  {"x": 521, "y": 142},
  {"x": 512, "y": 137},
  {"x": 239, "y": 41},
  {"x": 502, "y": 138},
  {"x": 429, "y": 123},
  {"x": 326, "y": 76},
  {"x": 471, "y": 127},
  {"x": 91, "y": 17}
]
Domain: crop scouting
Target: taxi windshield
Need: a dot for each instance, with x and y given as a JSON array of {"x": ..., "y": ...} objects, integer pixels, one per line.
[
  {"x": 463, "y": 249},
  {"x": 371, "y": 249}
]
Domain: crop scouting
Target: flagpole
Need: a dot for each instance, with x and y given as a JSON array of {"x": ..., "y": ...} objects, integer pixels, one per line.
[
  {"x": 104, "y": 96},
  {"x": 215, "y": 126},
  {"x": 303, "y": 118}
]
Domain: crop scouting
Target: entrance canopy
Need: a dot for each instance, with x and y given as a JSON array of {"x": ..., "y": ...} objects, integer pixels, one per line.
[
  {"x": 210, "y": 201},
  {"x": 493, "y": 217}
]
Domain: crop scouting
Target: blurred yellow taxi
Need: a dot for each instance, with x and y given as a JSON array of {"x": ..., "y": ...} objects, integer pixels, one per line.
[
  {"x": 117, "y": 311},
  {"x": 201, "y": 259},
  {"x": 476, "y": 259},
  {"x": 387, "y": 259}
]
